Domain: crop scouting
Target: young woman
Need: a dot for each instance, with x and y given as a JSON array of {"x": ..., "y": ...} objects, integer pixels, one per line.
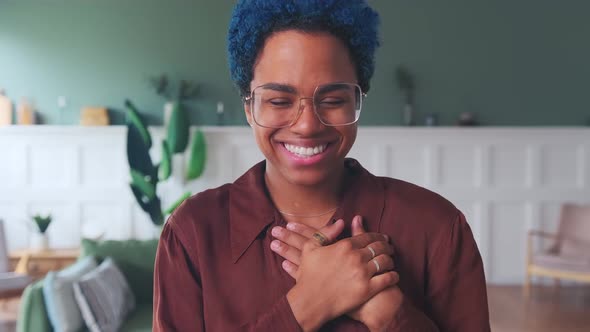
[{"x": 308, "y": 239}]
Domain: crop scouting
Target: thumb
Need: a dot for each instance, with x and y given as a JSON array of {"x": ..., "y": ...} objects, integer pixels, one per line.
[
  {"x": 331, "y": 232},
  {"x": 357, "y": 226}
]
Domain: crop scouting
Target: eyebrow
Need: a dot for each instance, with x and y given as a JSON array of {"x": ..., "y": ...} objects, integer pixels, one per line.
[
  {"x": 279, "y": 87},
  {"x": 333, "y": 87}
]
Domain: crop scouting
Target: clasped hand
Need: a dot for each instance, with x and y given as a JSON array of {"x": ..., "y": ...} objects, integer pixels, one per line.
[{"x": 345, "y": 277}]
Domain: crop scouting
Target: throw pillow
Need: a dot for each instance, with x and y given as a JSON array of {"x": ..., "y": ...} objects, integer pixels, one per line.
[
  {"x": 58, "y": 291},
  {"x": 135, "y": 258},
  {"x": 104, "y": 297}
]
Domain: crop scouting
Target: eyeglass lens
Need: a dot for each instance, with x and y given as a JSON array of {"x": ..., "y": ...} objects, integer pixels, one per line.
[{"x": 335, "y": 104}]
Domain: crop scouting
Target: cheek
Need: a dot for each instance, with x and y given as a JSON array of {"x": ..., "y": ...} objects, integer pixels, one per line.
[{"x": 263, "y": 139}]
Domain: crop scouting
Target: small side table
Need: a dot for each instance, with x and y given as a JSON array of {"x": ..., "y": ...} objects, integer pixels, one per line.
[{"x": 38, "y": 263}]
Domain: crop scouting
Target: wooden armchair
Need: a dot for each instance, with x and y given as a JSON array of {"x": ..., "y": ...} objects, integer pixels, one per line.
[
  {"x": 569, "y": 255},
  {"x": 12, "y": 284}
]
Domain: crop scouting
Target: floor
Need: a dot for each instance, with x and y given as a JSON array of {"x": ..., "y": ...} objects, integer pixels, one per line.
[
  {"x": 8, "y": 311},
  {"x": 549, "y": 310},
  {"x": 565, "y": 310}
]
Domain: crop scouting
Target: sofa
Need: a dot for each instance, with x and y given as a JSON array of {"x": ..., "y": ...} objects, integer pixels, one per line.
[{"x": 135, "y": 259}]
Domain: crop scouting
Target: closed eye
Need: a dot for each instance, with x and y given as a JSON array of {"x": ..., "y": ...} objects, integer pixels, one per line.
[
  {"x": 332, "y": 102},
  {"x": 280, "y": 103}
]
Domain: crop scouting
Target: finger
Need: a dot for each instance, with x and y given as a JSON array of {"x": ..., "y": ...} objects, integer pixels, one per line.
[
  {"x": 383, "y": 281},
  {"x": 289, "y": 237},
  {"x": 290, "y": 268},
  {"x": 357, "y": 226},
  {"x": 286, "y": 251},
  {"x": 362, "y": 240},
  {"x": 301, "y": 229},
  {"x": 375, "y": 249},
  {"x": 380, "y": 264},
  {"x": 329, "y": 232}
]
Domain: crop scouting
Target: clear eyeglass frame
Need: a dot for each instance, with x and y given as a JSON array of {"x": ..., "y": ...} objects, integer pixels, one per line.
[{"x": 362, "y": 96}]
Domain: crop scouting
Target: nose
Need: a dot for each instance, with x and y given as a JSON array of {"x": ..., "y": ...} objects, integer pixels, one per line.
[{"x": 307, "y": 121}]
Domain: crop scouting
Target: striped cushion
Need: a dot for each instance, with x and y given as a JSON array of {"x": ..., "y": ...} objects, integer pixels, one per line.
[
  {"x": 58, "y": 292},
  {"x": 104, "y": 298}
]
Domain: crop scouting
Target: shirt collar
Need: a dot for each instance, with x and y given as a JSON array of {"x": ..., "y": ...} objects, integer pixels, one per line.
[{"x": 251, "y": 210}]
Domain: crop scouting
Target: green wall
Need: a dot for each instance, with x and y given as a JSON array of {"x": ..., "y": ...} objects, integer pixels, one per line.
[{"x": 511, "y": 62}]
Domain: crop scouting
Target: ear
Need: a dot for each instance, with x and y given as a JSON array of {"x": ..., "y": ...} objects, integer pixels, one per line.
[{"x": 248, "y": 113}]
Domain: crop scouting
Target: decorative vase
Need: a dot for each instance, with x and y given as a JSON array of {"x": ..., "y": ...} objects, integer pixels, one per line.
[
  {"x": 408, "y": 114},
  {"x": 168, "y": 107},
  {"x": 39, "y": 241}
]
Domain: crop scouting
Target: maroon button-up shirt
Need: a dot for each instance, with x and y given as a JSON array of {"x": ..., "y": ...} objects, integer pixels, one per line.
[{"x": 215, "y": 270}]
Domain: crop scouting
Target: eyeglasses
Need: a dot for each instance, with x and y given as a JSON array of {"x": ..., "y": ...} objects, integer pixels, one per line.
[{"x": 276, "y": 105}]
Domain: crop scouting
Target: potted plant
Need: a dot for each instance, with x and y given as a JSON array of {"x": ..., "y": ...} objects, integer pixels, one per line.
[
  {"x": 39, "y": 239},
  {"x": 406, "y": 85},
  {"x": 145, "y": 174}
]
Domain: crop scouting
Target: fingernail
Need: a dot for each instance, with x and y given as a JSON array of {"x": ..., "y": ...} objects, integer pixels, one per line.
[
  {"x": 386, "y": 237},
  {"x": 286, "y": 265},
  {"x": 291, "y": 226},
  {"x": 276, "y": 231},
  {"x": 275, "y": 245},
  {"x": 359, "y": 221}
]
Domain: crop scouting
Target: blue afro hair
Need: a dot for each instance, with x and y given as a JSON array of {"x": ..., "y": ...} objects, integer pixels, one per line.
[{"x": 353, "y": 21}]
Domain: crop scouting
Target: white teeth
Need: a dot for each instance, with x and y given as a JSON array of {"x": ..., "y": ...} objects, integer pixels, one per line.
[{"x": 305, "y": 151}]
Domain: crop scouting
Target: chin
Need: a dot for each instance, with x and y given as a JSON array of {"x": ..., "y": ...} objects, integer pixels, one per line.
[{"x": 308, "y": 177}]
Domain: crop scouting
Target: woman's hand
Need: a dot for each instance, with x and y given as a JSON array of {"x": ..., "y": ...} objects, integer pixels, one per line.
[
  {"x": 335, "y": 279},
  {"x": 376, "y": 313}
]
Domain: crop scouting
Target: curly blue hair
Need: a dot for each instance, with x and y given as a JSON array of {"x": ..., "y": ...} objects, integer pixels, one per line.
[{"x": 352, "y": 21}]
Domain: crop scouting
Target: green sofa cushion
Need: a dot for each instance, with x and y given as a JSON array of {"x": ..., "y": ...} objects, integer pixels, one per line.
[
  {"x": 32, "y": 313},
  {"x": 135, "y": 258},
  {"x": 140, "y": 320}
]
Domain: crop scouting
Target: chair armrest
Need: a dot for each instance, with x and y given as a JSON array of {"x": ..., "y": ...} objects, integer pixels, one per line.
[
  {"x": 532, "y": 233},
  {"x": 22, "y": 266}
]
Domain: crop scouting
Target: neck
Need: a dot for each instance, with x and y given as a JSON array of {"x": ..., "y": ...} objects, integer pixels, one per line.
[{"x": 306, "y": 204}]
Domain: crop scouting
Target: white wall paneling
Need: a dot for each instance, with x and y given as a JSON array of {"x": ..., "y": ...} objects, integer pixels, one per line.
[{"x": 505, "y": 180}]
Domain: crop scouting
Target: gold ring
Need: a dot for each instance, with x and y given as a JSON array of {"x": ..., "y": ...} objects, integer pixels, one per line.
[
  {"x": 321, "y": 238},
  {"x": 372, "y": 252}
]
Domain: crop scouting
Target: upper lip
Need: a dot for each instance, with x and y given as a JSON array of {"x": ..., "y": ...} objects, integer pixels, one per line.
[{"x": 307, "y": 143}]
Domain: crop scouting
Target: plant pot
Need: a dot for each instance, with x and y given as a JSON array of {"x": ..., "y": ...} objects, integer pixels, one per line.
[
  {"x": 39, "y": 241},
  {"x": 168, "y": 108}
]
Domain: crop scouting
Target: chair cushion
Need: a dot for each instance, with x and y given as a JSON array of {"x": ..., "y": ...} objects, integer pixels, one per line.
[
  {"x": 104, "y": 297},
  {"x": 140, "y": 319},
  {"x": 562, "y": 263},
  {"x": 58, "y": 291},
  {"x": 135, "y": 258}
]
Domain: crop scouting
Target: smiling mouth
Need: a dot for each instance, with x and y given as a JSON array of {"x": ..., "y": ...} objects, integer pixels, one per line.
[{"x": 305, "y": 152}]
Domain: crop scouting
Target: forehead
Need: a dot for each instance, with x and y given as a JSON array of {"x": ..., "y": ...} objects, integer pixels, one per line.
[{"x": 303, "y": 60}]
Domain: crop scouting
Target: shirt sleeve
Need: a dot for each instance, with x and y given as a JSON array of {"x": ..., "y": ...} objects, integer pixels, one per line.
[
  {"x": 178, "y": 301},
  {"x": 410, "y": 319},
  {"x": 178, "y": 294},
  {"x": 456, "y": 287}
]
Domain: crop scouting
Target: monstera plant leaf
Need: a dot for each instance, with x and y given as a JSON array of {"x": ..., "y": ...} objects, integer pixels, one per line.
[
  {"x": 151, "y": 207},
  {"x": 144, "y": 184},
  {"x": 139, "y": 142},
  {"x": 133, "y": 117},
  {"x": 165, "y": 168},
  {"x": 198, "y": 156},
  {"x": 178, "y": 129},
  {"x": 138, "y": 154}
]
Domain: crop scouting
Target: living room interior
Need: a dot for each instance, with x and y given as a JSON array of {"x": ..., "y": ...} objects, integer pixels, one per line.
[{"x": 484, "y": 103}]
